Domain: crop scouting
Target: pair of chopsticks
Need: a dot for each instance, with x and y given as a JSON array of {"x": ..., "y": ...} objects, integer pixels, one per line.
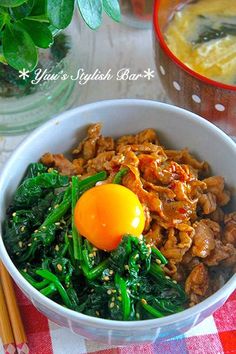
[{"x": 11, "y": 327}]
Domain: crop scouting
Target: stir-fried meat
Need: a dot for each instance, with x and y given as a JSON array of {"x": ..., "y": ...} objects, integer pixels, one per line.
[
  {"x": 61, "y": 163},
  {"x": 207, "y": 202},
  {"x": 80, "y": 165},
  {"x": 149, "y": 167},
  {"x": 197, "y": 283},
  {"x": 229, "y": 233},
  {"x": 166, "y": 193},
  {"x": 189, "y": 261},
  {"x": 184, "y": 157},
  {"x": 131, "y": 159},
  {"x": 184, "y": 214},
  {"x": 203, "y": 240},
  {"x": 151, "y": 200},
  {"x": 155, "y": 235},
  {"x": 98, "y": 163},
  {"x": 143, "y": 148},
  {"x": 196, "y": 188},
  {"x": 220, "y": 253},
  {"x": 148, "y": 218},
  {"x": 216, "y": 185},
  {"x": 181, "y": 190},
  {"x": 87, "y": 148},
  {"x": 145, "y": 136},
  {"x": 177, "y": 244},
  {"x": 217, "y": 215},
  {"x": 105, "y": 144}
]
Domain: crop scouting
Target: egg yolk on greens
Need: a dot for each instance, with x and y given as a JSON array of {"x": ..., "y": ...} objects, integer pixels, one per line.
[{"x": 104, "y": 213}]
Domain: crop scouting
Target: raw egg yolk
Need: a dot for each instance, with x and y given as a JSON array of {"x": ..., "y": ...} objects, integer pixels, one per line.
[{"x": 104, "y": 213}]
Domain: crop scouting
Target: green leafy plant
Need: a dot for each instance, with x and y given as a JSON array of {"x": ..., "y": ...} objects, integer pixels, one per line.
[{"x": 26, "y": 25}]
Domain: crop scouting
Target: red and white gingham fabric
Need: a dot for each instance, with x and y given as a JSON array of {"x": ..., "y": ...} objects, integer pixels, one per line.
[{"x": 215, "y": 335}]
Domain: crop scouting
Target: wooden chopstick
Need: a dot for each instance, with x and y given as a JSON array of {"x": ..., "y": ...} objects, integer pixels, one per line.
[
  {"x": 6, "y": 332},
  {"x": 13, "y": 310}
]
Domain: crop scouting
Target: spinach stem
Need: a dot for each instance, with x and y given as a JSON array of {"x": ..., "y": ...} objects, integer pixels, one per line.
[
  {"x": 156, "y": 270},
  {"x": 96, "y": 271},
  {"x": 159, "y": 255},
  {"x": 154, "y": 312},
  {"x": 77, "y": 239},
  {"x": 60, "y": 211},
  {"x": 44, "y": 273},
  {"x": 34, "y": 283},
  {"x": 49, "y": 290},
  {"x": 126, "y": 303},
  {"x": 118, "y": 177}
]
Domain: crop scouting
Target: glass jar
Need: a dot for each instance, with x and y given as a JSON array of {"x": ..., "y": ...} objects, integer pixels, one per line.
[
  {"x": 137, "y": 13},
  {"x": 26, "y": 103}
]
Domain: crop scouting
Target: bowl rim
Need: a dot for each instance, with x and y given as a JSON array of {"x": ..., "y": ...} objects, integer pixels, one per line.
[
  {"x": 177, "y": 61},
  {"x": 222, "y": 293}
]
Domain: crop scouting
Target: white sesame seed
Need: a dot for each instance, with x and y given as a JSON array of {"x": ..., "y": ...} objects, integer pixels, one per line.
[
  {"x": 109, "y": 292},
  {"x": 112, "y": 304},
  {"x": 59, "y": 267}
]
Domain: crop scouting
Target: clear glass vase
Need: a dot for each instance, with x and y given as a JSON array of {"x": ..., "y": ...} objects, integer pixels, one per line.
[
  {"x": 25, "y": 103},
  {"x": 137, "y": 13}
]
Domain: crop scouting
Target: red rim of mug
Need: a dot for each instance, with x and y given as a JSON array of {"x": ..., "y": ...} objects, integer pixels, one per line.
[{"x": 176, "y": 60}]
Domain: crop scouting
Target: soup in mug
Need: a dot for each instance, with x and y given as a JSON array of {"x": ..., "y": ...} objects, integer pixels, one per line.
[{"x": 202, "y": 34}]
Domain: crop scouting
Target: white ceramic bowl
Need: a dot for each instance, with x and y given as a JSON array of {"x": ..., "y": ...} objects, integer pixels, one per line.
[{"x": 176, "y": 128}]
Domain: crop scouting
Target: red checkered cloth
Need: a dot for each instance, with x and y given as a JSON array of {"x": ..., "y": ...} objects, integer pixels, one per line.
[{"x": 215, "y": 335}]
